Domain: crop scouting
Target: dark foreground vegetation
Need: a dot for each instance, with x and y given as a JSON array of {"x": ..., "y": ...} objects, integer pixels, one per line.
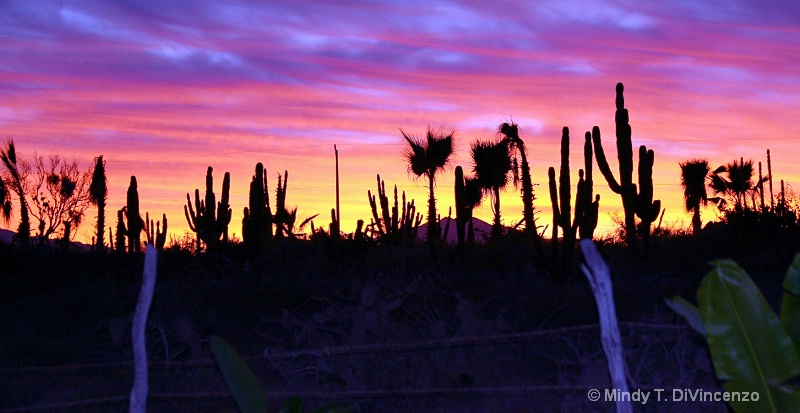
[{"x": 74, "y": 309}]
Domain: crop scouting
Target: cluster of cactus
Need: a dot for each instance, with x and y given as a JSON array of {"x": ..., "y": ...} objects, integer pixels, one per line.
[
  {"x": 635, "y": 201},
  {"x": 156, "y": 234},
  {"x": 135, "y": 224},
  {"x": 208, "y": 219},
  {"x": 586, "y": 209},
  {"x": 257, "y": 224},
  {"x": 283, "y": 218},
  {"x": 334, "y": 229},
  {"x": 393, "y": 225}
]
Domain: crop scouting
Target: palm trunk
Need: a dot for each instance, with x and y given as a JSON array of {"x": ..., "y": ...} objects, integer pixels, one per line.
[
  {"x": 24, "y": 229},
  {"x": 433, "y": 225},
  {"x": 696, "y": 223},
  {"x": 101, "y": 225},
  {"x": 527, "y": 201},
  {"x": 497, "y": 229}
]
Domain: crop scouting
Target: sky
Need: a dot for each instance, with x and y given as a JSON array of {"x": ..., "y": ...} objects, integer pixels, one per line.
[{"x": 164, "y": 90}]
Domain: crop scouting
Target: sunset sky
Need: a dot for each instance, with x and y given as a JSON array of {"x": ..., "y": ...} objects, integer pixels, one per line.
[{"x": 165, "y": 89}]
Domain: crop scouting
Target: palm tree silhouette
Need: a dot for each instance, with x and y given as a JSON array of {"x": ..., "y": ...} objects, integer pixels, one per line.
[
  {"x": 5, "y": 201},
  {"x": 491, "y": 166},
  {"x": 693, "y": 180},
  {"x": 426, "y": 156},
  {"x": 517, "y": 148},
  {"x": 734, "y": 180},
  {"x": 8, "y": 156}
]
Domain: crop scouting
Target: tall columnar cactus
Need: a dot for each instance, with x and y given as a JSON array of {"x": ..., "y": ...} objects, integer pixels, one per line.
[
  {"x": 586, "y": 209},
  {"x": 562, "y": 213},
  {"x": 283, "y": 218},
  {"x": 156, "y": 233},
  {"x": 209, "y": 219},
  {"x": 761, "y": 186},
  {"x": 769, "y": 179},
  {"x": 646, "y": 209},
  {"x": 461, "y": 211},
  {"x": 384, "y": 222},
  {"x": 334, "y": 228},
  {"x": 122, "y": 232},
  {"x": 632, "y": 199},
  {"x": 134, "y": 218},
  {"x": 257, "y": 222},
  {"x": 392, "y": 225}
]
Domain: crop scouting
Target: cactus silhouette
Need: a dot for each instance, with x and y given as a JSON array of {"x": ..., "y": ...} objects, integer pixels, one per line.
[
  {"x": 635, "y": 202},
  {"x": 156, "y": 234},
  {"x": 334, "y": 228},
  {"x": 122, "y": 232},
  {"x": 209, "y": 219},
  {"x": 393, "y": 225},
  {"x": 560, "y": 198},
  {"x": 586, "y": 210},
  {"x": 283, "y": 218},
  {"x": 761, "y": 181},
  {"x": 257, "y": 222},
  {"x": 134, "y": 218},
  {"x": 646, "y": 208},
  {"x": 98, "y": 192},
  {"x": 769, "y": 179},
  {"x": 462, "y": 212}
]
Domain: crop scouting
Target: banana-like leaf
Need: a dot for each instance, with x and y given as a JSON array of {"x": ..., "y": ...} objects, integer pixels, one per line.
[
  {"x": 748, "y": 344},
  {"x": 688, "y": 311},
  {"x": 243, "y": 384},
  {"x": 790, "y": 306}
]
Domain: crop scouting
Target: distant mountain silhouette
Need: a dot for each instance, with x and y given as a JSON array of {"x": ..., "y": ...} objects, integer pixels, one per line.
[
  {"x": 7, "y": 236},
  {"x": 483, "y": 230}
]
